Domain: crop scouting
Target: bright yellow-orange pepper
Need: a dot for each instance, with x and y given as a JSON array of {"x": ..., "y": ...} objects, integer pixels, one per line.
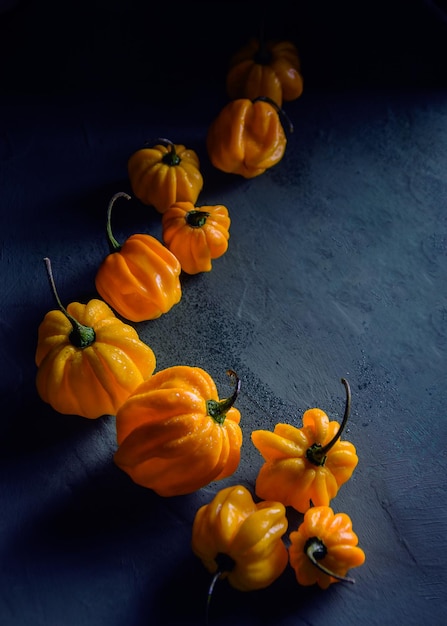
[
  {"x": 140, "y": 278},
  {"x": 324, "y": 548},
  {"x": 164, "y": 174},
  {"x": 247, "y": 137},
  {"x": 88, "y": 360},
  {"x": 175, "y": 435},
  {"x": 241, "y": 541},
  {"x": 305, "y": 466},
  {"x": 271, "y": 69},
  {"x": 196, "y": 235}
]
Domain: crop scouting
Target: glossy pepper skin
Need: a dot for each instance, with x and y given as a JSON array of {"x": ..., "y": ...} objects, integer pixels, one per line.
[
  {"x": 324, "y": 541},
  {"x": 271, "y": 69},
  {"x": 246, "y": 138},
  {"x": 196, "y": 235},
  {"x": 139, "y": 279},
  {"x": 305, "y": 465},
  {"x": 249, "y": 535},
  {"x": 95, "y": 378},
  {"x": 175, "y": 435},
  {"x": 165, "y": 173}
]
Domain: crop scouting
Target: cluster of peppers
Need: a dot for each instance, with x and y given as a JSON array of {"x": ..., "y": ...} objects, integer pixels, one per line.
[{"x": 174, "y": 434}]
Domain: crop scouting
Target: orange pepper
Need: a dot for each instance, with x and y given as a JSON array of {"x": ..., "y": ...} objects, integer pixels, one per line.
[
  {"x": 271, "y": 69},
  {"x": 175, "y": 435},
  {"x": 241, "y": 540},
  {"x": 88, "y": 360},
  {"x": 324, "y": 548},
  {"x": 247, "y": 137},
  {"x": 140, "y": 279},
  {"x": 165, "y": 173},
  {"x": 305, "y": 465},
  {"x": 196, "y": 235}
]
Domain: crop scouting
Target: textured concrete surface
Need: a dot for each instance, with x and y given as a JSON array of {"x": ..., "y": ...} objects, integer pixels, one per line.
[{"x": 336, "y": 267}]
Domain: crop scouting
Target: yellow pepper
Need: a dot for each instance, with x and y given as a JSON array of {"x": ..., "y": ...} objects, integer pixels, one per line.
[
  {"x": 140, "y": 279},
  {"x": 88, "y": 360},
  {"x": 175, "y": 435},
  {"x": 196, "y": 235},
  {"x": 324, "y": 548},
  {"x": 165, "y": 173},
  {"x": 269, "y": 68},
  {"x": 305, "y": 465},
  {"x": 241, "y": 540},
  {"x": 247, "y": 137}
]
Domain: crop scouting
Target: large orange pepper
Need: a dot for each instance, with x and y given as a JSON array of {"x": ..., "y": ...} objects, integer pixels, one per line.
[
  {"x": 240, "y": 540},
  {"x": 88, "y": 360},
  {"x": 175, "y": 435},
  {"x": 324, "y": 548},
  {"x": 140, "y": 279},
  {"x": 247, "y": 137},
  {"x": 165, "y": 173},
  {"x": 196, "y": 235},
  {"x": 271, "y": 69},
  {"x": 307, "y": 465}
]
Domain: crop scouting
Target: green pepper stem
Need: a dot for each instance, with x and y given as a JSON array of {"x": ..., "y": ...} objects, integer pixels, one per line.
[
  {"x": 196, "y": 218},
  {"x": 217, "y": 409},
  {"x": 316, "y": 550},
  {"x": 81, "y": 336},
  {"x": 317, "y": 453},
  {"x": 114, "y": 245},
  {"x": 285, "y": 119},
  {"x": 171, "y": 157}
]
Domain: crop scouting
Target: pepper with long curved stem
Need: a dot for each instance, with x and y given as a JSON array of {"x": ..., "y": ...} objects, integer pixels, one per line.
[
  {"x": 81, "y": 336},
  {"x": 317, "y": 453},
  {"x": 315, "y": 551}
]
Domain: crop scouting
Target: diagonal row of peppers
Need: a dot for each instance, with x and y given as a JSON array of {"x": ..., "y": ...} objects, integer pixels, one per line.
[{"x": 174, "y": 434}]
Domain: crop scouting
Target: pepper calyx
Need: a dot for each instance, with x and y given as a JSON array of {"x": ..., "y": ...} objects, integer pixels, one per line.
[
  {"x": 80, "y": 336},
  {"x": 196, "y": 218},
  {"x": 317, "y": 453},
  {"x": 285, "y": 119},
  {"x": 171, "y": 157},
  {"x": 217, "y": 409}
]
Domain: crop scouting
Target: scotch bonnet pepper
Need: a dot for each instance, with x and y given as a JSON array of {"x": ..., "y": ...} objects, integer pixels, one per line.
[
  {"x": 165, "y": 173},
  {"x": 140, "y": 279},
  {"x": 265, "y": 68},
  {"x": 196, "y": 235},
  {"x": 174, "y": 433},
  {"x": 241, "y": 540},
  {"x": 324, "y": 548},
  {"x": 247, "y": 137},
  {"x": 88, "y": 360},
  {"x": 305, "y": 465}
]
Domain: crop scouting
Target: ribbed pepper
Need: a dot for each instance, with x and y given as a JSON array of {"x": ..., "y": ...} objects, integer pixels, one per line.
[
  {"x": 88, "y": 360},
  {"x": 305, "y": 465},
  {"x": 175, "y": 435},
  {"x": 140, "y": 278},
  {"x": 241, "y": 540},
  {"x": 246, "y": 137},
  {"x": 165, "y": 173},
  {"x": 269, "y": 68},
  {"x": 324, "y": 548}
]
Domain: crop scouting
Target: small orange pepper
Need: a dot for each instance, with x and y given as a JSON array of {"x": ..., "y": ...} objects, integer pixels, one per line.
[
  {"x": 305, "y": 465},
  {"x": 140, "y": 279},
  {"x": 88, "y": 360},
  {"x": 324, "y": 548},
  {"x": 165, "y": 173},
  {"x": 240, "y": 540},
  {"x": 247, "y": 137},
  {"x": 196, "y": 235}
]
